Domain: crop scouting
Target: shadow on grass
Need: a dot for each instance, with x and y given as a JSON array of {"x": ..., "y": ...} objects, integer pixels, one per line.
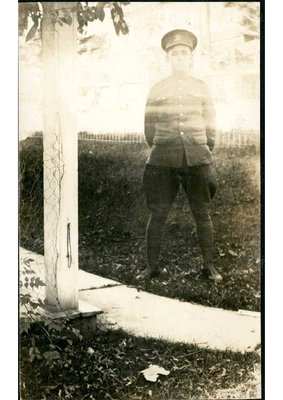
[
  {"x": 109, "y": 366},
  {"x": 113, "y": 217}
]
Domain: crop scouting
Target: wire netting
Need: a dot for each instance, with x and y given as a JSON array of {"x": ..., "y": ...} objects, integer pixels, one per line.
[
  {"x": 32, "y": 193},
  {"x": 41, "y": 169},
  {"x": 40, "y": 197}
]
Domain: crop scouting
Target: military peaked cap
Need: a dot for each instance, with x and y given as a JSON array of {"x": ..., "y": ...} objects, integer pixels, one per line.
[{"x": 178, "y": 36}]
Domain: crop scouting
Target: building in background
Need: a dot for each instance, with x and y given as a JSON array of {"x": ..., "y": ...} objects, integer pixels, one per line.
[{"x": 115, "y": 73}]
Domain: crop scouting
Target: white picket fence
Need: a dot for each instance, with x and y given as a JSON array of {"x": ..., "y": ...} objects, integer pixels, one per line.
[{"x": 234, "y": 138}]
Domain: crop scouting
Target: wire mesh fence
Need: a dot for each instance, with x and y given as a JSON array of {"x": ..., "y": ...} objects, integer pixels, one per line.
[
  {"x": 41, "y": 169},
  {"x": 33, "y": 194},
  {"x": 53, "y": 162},
  {"x": 31, "y": 230},
  {"x": 39, "y": 183}
]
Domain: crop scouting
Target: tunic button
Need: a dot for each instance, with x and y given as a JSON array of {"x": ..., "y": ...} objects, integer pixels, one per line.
[
  {"x": 181, "y": 114},
  {"x": 182, "y": 133},
  {"x": 180, "y": 105},
  {"x": 181, "y": 123}
]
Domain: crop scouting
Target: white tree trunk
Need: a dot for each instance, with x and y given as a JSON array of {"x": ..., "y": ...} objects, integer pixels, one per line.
[{"x": 60, "y": 158}]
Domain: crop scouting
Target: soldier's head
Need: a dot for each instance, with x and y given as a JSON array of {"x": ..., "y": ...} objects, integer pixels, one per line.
[
  {"x": 179, "y": 58},
  {"x": 179, "y": 45}
]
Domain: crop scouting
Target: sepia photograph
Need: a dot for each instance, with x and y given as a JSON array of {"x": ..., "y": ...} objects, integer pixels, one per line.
[{"x": 140, "y": 159}]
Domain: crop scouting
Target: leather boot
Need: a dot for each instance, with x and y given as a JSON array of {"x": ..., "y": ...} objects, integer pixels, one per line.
[
  {"x": 152, "y": 270},
  {"x": 154, "y": 233},
  {"x": 148, "y": 274},
  {"x": 209, "y": 271}
]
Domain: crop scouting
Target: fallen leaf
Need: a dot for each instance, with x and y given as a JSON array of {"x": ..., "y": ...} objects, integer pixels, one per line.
[
  {"x": 153, "y": 371},
  {"x": 90, "y": 351},
  {"x": 51, "y": 355},
  {"x": 232, "y": 253}
]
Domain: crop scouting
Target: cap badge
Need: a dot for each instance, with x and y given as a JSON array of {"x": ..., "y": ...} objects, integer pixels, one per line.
[{"x": 177, "y": 37}]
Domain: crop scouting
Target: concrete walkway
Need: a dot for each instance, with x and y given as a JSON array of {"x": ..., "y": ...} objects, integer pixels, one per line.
[{"x": 146, "y": 314}]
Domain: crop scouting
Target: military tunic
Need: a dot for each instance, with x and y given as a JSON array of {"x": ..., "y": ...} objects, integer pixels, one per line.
[
  {"x": 180, "y": 129},
  {"x": 180, "y": 121}
]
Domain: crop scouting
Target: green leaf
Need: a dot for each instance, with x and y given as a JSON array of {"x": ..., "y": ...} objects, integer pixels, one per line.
[
  {"x": 33, "y": 304},
  {"x": 84, "y": 15},
  {"x": 99, "y": 11},
  {"x": 31, "y": 32},
  {"x": 51, "y": 355},
  {"x": 119, "y": 10},
  {"x": 31, "y": 351},
  {"x": 38, "y": 282},
  {"x": 91, "y": 14},
  {"x": 25, "y": 298},
  {"x": 25, "y": 326},
  {"x": 76, "y": 331},
  {"x": 57, "y": 325},
  {"x": 116, "y": 19},
  {"x": 28, "y": 260}
]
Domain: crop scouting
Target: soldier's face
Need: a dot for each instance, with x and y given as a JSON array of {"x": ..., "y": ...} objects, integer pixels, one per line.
[{"x": 179, "y": 58}]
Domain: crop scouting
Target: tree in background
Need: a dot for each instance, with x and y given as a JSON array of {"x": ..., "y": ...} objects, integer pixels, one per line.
[
  {"x": 243, "y": 50},
  {"x": 250, "y": 18},
  {"x": 85, "y": 14}
]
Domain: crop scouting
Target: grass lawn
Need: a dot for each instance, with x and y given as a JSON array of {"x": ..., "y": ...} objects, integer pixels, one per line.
[
  {"x": 113, "y": 218},
  {"x": 109, "y": 365},
  {"x": 112, "y": 221}
]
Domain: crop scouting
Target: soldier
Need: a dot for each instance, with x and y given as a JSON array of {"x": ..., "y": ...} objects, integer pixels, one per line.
[{"x": 180, "y": 130}]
